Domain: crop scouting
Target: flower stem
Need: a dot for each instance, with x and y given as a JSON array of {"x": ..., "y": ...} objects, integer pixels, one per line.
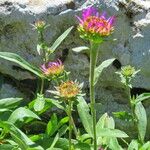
[
  {"x": 93, "y": 60},
  {"x": 41, "y": 42},
  {"x": 70, "y": 124},
  {"x": 134, "y": 117},
  {"x": 42, "y": 86},
  {"x": 74, "y": 127}
]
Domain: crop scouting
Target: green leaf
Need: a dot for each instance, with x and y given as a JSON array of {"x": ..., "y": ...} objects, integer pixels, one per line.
[
  {"x": 142, "y": 120},
  {"x": 101, "y": 67},
  {"x": 19, "y": 137},
  {"x": 23, "y": 63},
  {"x": 104, "y": 122},
  {"x": 54, "y": 142},
  {"x": 60, "y": 39},
  {"x": 62, "y": 143},
  {"x": 7, "y": 147},
  {"x": 54, "y": 102},
  {"x": 123, "y": 115},
  {"x": 20, "y": 114},
  {"x": 146, "y": 146},
  {"x": 52, "y": 125},
  {"x": 39, "y": 47},
  {"x": 4, "y": 110},
  {"x": 46, "y": 106},
  {"x": 101, "y": 122},
  {"x": 106, "y": 132},
  {"x": 84, "y": 113},
  {"x": 114, "y": 145},
  {"x": 62, "y": 130},
  {"x": 63, "y": 121},
  {"x": 79, "y": 49},
  {"x": 82, "y": 146},
  {"x": 39, "y": 103},
  {"x": 110, "y": 123},
  {"x": 84, "y": 137},
  {"x": 133, "y": 145},
  {"x": 9, "y": 102},
  {"x": 142, "y": 97}
]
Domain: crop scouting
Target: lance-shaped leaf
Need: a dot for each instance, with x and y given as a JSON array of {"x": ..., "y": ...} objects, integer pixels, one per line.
[
  {"x": 7, "y": 147},
  {"x": 19, "y": 137},
  {"x": 23, "y": 63},
  {"x": 84, "y": 113},
  {"x": 102, "y": 121},
  {"x": 79, "y": 49},
  {"x": 146, "y": 146},
  {"x": 114, "y": 145},
  {"x": 142, "y": 120},
  {"x": 9, "y": 102},
  {"x": 21, "y": 113},
  {"x": 39, "y": 103},
  {"x": 133, "y": 145},
  {"x": 142, "y": 97},
  {"x": 107, "y": 132},
  {"x": 54, "y": 142},
  {"x": 101, "y": 67},
  {"x": 60, "y": 39}
]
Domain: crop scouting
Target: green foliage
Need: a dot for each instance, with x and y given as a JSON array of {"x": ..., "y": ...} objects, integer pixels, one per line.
[
  {"x": 18, "y": 136},
  {"x": 60, "y": 39},
  {"x": 79, "y": 49},
  {"x": 20, "y": 114},
  {"x": 141, "y": 120},
  {"x": 17, "y": 122},
  {"x": 101, "y": 67},
  {"x": 142, "y": 97},
  {"x": 114, "y": 145},
  {"x": 52, "y": 125},
  {"x": 83, "y": 146},
  {"x": 133, "y": 145},
  {"x": 7, "y": 147},
  {"x": 145, "y": 146},
  {"x": 55, "y": 103},
  {"x": 23, "y": 63},
  {"x": 123, "y": 115},
  {"x": 84, "y": 113},
  {"x": 9, "y": 103},
  {"x": 106, "y": 132},
  {"x": 54, "y": 142},
  {"x": 39, "y": 103}
]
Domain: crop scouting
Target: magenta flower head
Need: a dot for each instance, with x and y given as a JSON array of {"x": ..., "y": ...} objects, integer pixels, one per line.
[
  {"x": 94, "y": 26},
  {"x": 53, "y": 68}
]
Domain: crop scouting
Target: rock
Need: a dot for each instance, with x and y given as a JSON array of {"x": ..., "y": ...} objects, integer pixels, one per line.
[
  {"x": 7, "y": 90},
  {"x": 130, "y": 45}
]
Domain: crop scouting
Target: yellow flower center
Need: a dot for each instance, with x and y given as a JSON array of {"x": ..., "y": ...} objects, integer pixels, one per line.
[{"x": 69, "y": 89}]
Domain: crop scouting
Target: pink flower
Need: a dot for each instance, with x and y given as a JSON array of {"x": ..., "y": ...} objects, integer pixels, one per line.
[
  {"x": 94, "y": 26},
  {"x": 53, "y": 68}
]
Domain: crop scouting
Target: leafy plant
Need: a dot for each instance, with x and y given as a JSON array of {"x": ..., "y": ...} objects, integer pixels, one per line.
[{"x": 27, "y": 128}]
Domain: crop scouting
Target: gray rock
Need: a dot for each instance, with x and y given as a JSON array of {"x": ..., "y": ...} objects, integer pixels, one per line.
[{"x": 7, "y": 90}]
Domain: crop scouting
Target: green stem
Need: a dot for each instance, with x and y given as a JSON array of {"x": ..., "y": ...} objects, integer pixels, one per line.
[
  {"x": 132, "y": 105},
  {"x": 74, "y": 128},
  {"x": 93, "y": 60},
  {"x": 42, "y": 86},
  {"x": 3, "y": 133},
  {"x": 70, "y": 124},
  {"x": 73, "y": 125},
  {"x": 41, "y": 41}
]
